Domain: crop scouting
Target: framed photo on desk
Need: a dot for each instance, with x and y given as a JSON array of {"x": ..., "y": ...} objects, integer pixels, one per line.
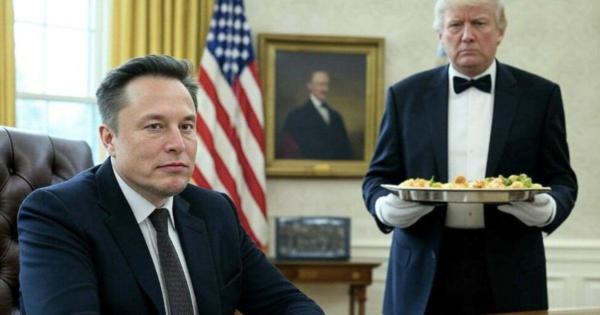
[
  {"x": 323, "y": 97},
  {"x": 310, "y": 238}
]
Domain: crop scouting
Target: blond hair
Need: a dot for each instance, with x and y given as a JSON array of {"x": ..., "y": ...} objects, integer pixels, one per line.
[{"x": 442, "y": 5}]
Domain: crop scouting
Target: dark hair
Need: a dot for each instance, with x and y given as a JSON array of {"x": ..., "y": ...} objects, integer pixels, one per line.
[{"x": 110, "y": 96}]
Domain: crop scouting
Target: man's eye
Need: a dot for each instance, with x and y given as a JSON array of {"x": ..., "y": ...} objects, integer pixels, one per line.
[
  {"x": 187, "y": 127},
  {"x": 155, "y": 126},
  {"x": 483, "y": 21}
]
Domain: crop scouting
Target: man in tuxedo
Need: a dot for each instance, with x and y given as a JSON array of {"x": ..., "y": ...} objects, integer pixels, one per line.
[
  {"x": 132, "y": 236},
  {"x": 314, "y": 130},
  {"x": 475, "y": 117}
]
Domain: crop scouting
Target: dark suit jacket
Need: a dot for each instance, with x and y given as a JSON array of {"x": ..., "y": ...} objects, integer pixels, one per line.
[
  {"x": 528, "y": 136},
  {"x": 82, "y": 252},
  {"x": 306, "y": 135}
]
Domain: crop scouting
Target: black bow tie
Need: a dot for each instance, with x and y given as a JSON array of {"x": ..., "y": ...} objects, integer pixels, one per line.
[{"x": 484, "y": 84}]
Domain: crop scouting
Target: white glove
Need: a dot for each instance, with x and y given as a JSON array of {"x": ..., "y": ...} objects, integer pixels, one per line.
[
  {"x": 393, "y": 211},
  {"x": 538, "y": 213}
]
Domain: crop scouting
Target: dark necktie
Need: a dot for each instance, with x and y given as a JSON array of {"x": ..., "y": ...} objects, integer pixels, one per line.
[
  {"x": 483, "y": 84},
  {"x": 178, "y": 293}
]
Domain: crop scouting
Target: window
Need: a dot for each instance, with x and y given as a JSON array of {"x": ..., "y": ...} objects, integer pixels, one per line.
[{"x": 59, "y": 52}]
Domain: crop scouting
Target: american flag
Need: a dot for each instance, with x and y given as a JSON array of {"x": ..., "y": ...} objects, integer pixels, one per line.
[{"x": 230, "y": 155}]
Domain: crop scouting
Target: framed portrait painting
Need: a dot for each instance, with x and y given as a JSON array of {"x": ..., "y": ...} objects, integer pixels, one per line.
[{"x": 323, "y": 97}]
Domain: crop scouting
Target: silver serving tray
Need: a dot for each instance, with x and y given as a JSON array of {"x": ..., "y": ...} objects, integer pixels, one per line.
[{"x": 466, "y": 195}]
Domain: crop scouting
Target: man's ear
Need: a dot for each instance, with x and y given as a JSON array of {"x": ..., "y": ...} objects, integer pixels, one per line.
[
  {"x": 107, "y": 136},
  {"x": 501, "y": 35}
]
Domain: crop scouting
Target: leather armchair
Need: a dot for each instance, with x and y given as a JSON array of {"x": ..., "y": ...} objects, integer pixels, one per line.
[{"x": 27, "y": 162}]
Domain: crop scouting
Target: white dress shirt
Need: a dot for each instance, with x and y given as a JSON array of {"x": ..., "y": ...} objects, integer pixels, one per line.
[
  {"x": 142, "y": 209},
  {"x": 469, "y": 128},
  {"x": 320, "y": 108}
]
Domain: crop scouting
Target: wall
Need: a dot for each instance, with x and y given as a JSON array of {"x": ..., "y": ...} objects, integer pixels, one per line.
[{"x": 557, "y": 39}]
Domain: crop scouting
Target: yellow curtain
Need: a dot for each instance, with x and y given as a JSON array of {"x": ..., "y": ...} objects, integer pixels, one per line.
[
  {"x": 7, "y": 65},
  {"x": 173, "y": 27}
]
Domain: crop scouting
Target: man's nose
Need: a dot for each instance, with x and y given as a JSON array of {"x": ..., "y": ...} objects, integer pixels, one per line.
[
  {"x": 175, "y": 141},
  {"x": 467, "y": 33}
]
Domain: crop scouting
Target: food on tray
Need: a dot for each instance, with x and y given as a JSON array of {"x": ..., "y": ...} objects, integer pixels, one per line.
[{"x": 499, "y": 182}]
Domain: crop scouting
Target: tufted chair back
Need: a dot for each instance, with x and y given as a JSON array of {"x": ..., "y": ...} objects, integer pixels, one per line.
[{"x": 28, "y": 161}]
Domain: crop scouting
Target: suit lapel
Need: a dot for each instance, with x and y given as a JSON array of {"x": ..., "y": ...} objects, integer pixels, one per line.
[
  {"x": 125, "y": 230},
  {"x": 198, "y": 256},
  {"x": 436, "y": 103},
  {"x": 506, "y": 98}
]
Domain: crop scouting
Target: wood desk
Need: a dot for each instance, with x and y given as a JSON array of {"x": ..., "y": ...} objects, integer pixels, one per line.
[{"x": 355, "y": 272}]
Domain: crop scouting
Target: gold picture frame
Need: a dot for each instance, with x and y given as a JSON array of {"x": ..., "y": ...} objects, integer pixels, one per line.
[{"x": 354, "y": 67}]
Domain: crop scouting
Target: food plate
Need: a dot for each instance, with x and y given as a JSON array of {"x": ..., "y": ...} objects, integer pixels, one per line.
[{"x": 465, "y": 195}]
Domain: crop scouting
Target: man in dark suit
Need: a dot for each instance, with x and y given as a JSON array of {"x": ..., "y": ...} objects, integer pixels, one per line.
[
  {"x": 315, "y": 130},
  {"x": 470, "y": 258},
  {"x": 131, "y": 236}
]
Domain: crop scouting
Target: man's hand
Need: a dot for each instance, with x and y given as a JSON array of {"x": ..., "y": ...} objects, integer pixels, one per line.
[
  {"x": 393, "y": 211},
  {"x": 539, "y": 213}
]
